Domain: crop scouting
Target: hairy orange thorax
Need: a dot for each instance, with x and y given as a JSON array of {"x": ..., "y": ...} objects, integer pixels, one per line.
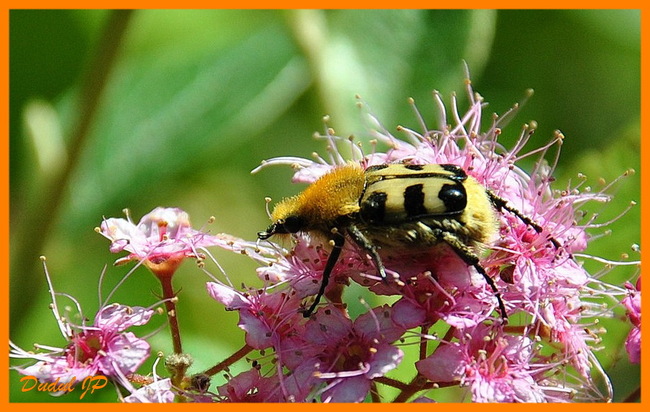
[{"x": 333, "y": 195}]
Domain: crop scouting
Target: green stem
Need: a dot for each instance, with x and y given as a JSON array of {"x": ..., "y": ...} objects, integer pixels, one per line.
[{"x": 44, "y": 208}]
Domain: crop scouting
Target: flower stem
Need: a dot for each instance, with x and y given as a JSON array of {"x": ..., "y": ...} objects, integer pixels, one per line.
[
  {"x": 417, "y": 384},
  {"x": 246, "y": 349},
  {"x": 170, "y": 304},
  {"x": 423, "y": 342},
  {"x": 384, "y": 380},
  {"x": 374, "y": 394}
]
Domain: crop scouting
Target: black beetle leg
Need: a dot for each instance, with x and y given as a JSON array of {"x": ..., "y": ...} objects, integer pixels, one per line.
[{"x": 339, "y": 239}]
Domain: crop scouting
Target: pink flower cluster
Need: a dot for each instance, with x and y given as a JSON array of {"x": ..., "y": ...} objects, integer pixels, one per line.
[
  {"x": 544, "y": 353},
  {"x": 438, "y": 306},
  {"x": 103, "y": 348},
  {"x": 632, "y": 304}
]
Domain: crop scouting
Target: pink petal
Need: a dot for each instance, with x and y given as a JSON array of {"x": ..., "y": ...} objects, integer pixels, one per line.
[
  {"x": 229, "y": 297},
  {"x": 446, "y": 364}
]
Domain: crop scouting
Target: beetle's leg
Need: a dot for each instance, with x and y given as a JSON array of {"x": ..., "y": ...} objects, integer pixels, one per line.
[
  {"x": 338, "y": 240},
  {"x": 502, "y": 204},
  {"x": 363, "y": 242},
  {"x": 471, "y": 259}
]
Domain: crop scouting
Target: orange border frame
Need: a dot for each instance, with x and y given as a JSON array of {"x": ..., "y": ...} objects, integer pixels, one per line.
[{"x": 4, "y": 169}]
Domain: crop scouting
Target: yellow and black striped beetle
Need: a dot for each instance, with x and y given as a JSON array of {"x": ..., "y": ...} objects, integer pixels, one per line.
[{"x": 395, "y": 206}]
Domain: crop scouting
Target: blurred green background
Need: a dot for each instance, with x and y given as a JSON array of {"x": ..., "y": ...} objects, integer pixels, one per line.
[{"x": 150, "y": 108}]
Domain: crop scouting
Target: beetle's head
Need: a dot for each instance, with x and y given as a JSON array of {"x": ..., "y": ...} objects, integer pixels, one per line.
[{"x": 290, "y": 224}]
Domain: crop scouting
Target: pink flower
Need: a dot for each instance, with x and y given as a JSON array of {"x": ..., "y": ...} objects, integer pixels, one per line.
[
  {"x": 456, "y": 294},
  {"x": 159, "y": 391},
  {"x": 347, "y": 354},
  {"x": 250, "y": 386},
  {"x": 161, "y": 240},
  {"x": 495, "y": 366},
  {"x": 103, "y": 348},
  {"x": 632, "y": 304},
  {"x": 267, "y": 318},
  {"x": 303, "y": 268}
]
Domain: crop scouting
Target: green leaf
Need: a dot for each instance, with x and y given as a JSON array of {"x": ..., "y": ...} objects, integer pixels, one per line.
[
  {"x": 388, "y": 55},
  {"x": 166, "y": 120}
]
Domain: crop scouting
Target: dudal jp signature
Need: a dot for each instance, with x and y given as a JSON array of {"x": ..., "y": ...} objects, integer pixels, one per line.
[{"x": 90, "y": 383}]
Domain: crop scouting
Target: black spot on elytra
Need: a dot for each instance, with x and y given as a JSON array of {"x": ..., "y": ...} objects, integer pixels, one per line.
[
  {"x": 374, "y": 208},
  {"x": 454, "y": 197},
  {"x": 459, "y": 173},
  {"x": 375, "y": 168},
  {"x": 414, "y": 167},
  {"x": 414, "y": 200}
]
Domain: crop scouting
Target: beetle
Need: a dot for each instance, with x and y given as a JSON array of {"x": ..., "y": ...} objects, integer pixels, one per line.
[{"x": 392, "y": 207}]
